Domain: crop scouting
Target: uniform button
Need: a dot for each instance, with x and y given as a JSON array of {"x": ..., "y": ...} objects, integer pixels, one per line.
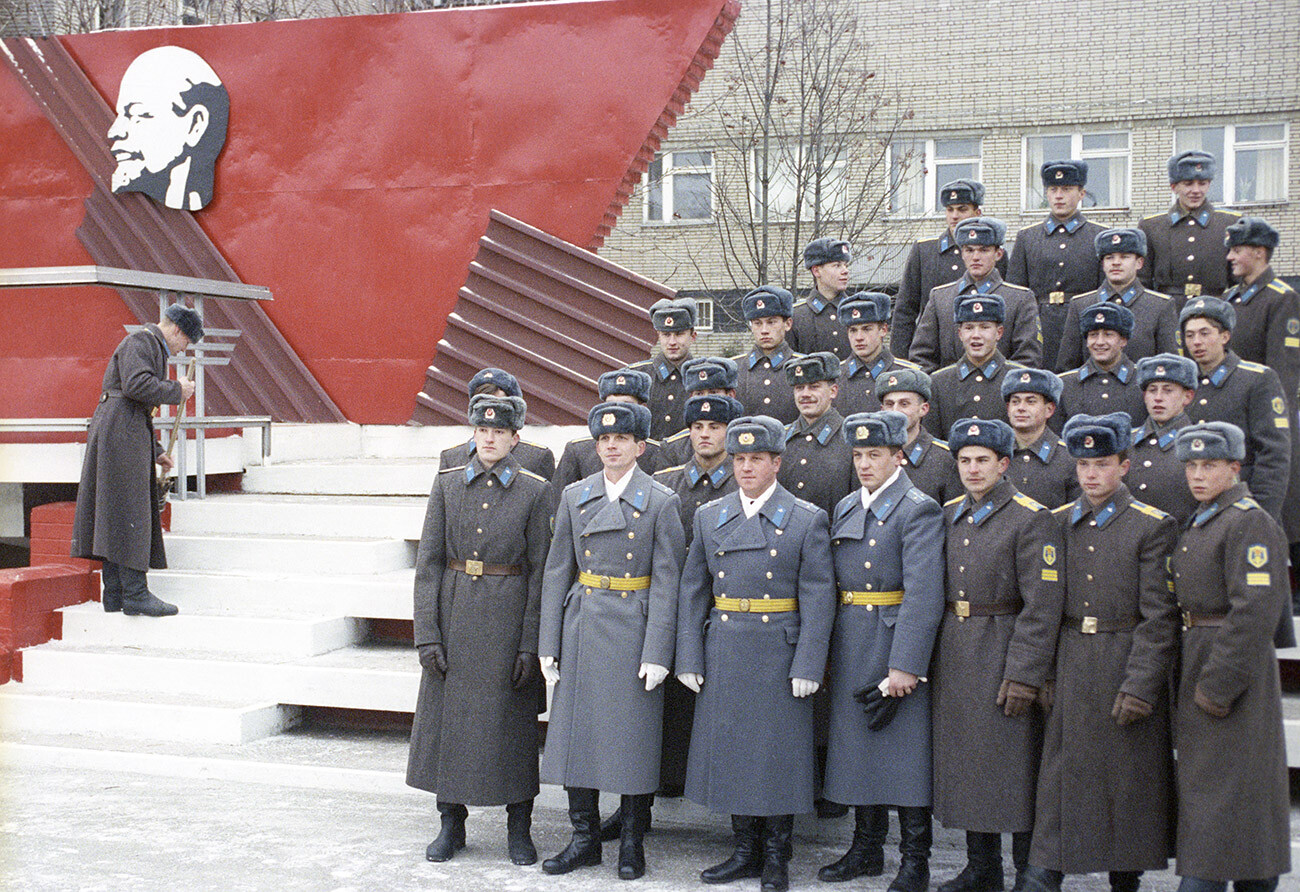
[
  {"x": 970, "y": 520},
  {"x": 489, "y": 483},
  {"x": 1205, "y": 380},
  {"x": 1184, "y": 548},
  {"x": 1142, "y": 486},
  {"x": 1092, "y": 523},
  {"x": 961, "y": 569},
  {"x": 764, "y": 618},
  {"x": 1090, "y": 580},
  {"x": 772, "y": 552},
  {"x": 767, "y": 381},
  {"x": 722, "y": 574},
  {"x": 769, "y": 576},
  {"x": 803, "y": 461},
  {"x": 629, "y": 555},
  {"x": 1191, "y": 238},
  {"x": 623, "y": 594},
  {"x": 977, "y": 397},
  {"x": 587, "y": 553},
  {"x": 1026, "y": 458},
  {"x": 1152, "y": 441},
  {"x": 965, "y": 542},
  {"x": 979, "y": 378},
  {"x": 1105, "y": 396},
  {"x": 1085, "y": 603},
  {"x": 835, "y": 332},
  {"x": 1062, "y": 246},
  {"x": 871, "y": 541},
  {"x": 1105, "y": 380},
  {"x": 668, "y": 418},
  {"x": 800, "y": 485},
  {"x": 868, "y": 586},
  {"x": 767, "y": 399},
  {"x": 670, "y": 396},
  {"x": 808, "y": 438},
  {"x": 1091, "y": 548},
  {"x": 867, "y": 565},
  {"x": 1191, "y": 256},
  {"x": 870, "y": 607},
  {"x": 1204, "y": 401},
  {"x": 903, "y": 461},
  {"x": 588, "y": 590},
  {"x": 1147, "y": 463},
  {"x": 631, "y": 535},
  {"x": 723, "y": 617},
  {"x": 485, "y": 505},
  {"x": 1062, "y": 263}
]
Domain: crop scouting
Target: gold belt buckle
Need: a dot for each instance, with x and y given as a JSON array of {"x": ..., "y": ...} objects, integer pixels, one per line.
[
  {"x": 961, "y": 608},
  {"x": 474, "y": 568},
  {"x": 604, "y": 582},
  {"x": 1187, "y": 619},
  {"x": 1056, "y": 297},
  {"x": 744, "y": 605},
  {"x": 1089, "y": 625},
  {"x": 846, "y": 597},
  {"x": 1192, "y": 289}
]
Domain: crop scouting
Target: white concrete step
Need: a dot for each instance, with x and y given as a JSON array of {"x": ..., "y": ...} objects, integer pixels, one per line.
[
  {"x": 323, "y": 555},
  {"x": 283, "y": 635},
  {"x": 378, "y": 596},
  {"x": 148, "y": 717},
  {"x": 358, "y": 476},
  {"x": 391, "y": 517},
  {"x": 358, "y": 677}
]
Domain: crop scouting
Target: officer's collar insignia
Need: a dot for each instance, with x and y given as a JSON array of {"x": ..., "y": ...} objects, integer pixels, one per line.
[
  {"x": 607, "y": 420},
  {"x": 1257, "y": 556},
  {"x": 505, "y": 475},
  {"x": 1044, "y": 450},
  {"x": 745, "y": 439},
  {"x": 917, "y": 449},
  {"x": 1105, "y": 514}
]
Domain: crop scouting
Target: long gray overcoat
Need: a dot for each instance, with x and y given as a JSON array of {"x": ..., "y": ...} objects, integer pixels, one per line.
[
  {"x": 117, "y": 503},
  {"x": 1105, "y": 792},
  {"x": 605, "y": 728},
  {"x": 897, "y": 546},
  {"x": 752, "y": 744},
  {"x": 474, "y": 740}
]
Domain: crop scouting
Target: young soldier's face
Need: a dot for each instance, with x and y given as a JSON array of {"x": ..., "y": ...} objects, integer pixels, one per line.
[
  {"x": 1190, "y": 193},
  {"x": 1165, "y": 400},
  {"x": 492, "y": 443},
  {"x": 1209, "y": 478},
  {"x": 1247, "y": 260},
  {"x": 814, "y": 399},
  {"x": 874, "y": 464},
  {"x": 979, "y": 339},
  {"x": 769, "y": 331},
  {"x": 1028, "y": 412},
  {"x": 1205, "y": 342},
  {"x": 708, "y": 439},
  {"x": 1121, "y": 268},
  {"x": 980, "y": 259},
  {"x": 618, "y": 452},
  {"x": 1063, "y": 201},
  {"x": 755, "y": 471},
  {"x": 1100, "y": 477},
  {"x": 910, "y": 404},
  {"x": 1105, "y": 345},
  {"x": 980, "y": 468},
  {"x": 865, "y": 338},
  {"x": 676, "y": 344},
  {"x": 831, "y": 277},
  {"x": 955, "y": 213}
]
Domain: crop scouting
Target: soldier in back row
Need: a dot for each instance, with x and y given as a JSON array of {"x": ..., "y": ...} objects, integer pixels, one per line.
[
  {"x": 531, "y": 456},
  {"x": 816, "y": 326},
  {"x": 1055, "y": 259},
  {"x": 706, "y": 376},
  {"x": 760, "y": 385},
  {"x": 972, "y": 386},
  {"x": 581, "y": 458},
  {"x": 928, "y": 462},
  {"x": 1041, "y": 468},
  {"x": 866, "y": 315},
  {"x": 816, "y": 465},
  {"x": 1122, "y": 253},
  {"x": 1156, "y": 476},
  {"x": 1106, "y": 382},
  {"x": 674, "y": 324}
]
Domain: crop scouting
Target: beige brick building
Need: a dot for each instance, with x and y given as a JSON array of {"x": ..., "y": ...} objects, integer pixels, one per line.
[{"x": 996, "y": 87}]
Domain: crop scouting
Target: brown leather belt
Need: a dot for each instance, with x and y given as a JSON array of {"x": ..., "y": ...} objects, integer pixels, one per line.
[
  {"x": 478, "y": 568},
  {"x": 1190, "y": 620},
  {"x": 1091, "y": 625},
  {"x": 964, "y": 609}
]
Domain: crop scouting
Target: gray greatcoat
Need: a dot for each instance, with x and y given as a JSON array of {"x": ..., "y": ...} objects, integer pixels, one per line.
[
  {"x": 1155, "y": 324},
  {"x": 936, "y": 344},
  {"x": 474, "y": 740},
  {"x": 605, "y": 727},
  {"x": 117, "y": 502},
  {"x": 1105, "y": 792},
  {"x": 761, "y": 385},
  {"x": 1005, "y": 548},
  {"x": 1155, "y": 474},
  {"x": 1233, "y": 803},
  {"x": 1089, "y": 390},
  {"x": 531, "y": 457},
  {"x": 931, "y": 466},
  {"x": 752, "y": 745},
  {"x": 1044, "y": 471},
  {"x": 817, "y": 327},
  {"x": 858, "y": 381},
  {"x": 668, "y": 395},
  {"x": 817, "y": 465},
  {"x": 580, "y": 460},
  {"x": 963, "y": 390},
  {"x": 897, "y": 546},
  {"x": 1186, "y": 256},
  {"x": 931, "y": 263}
]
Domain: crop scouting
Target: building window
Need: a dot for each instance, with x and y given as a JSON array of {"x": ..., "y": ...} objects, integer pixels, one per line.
[
  {"x": 919, "y": 167},
  {"x": 1107, "y": 155},
  {"x": 1252, "y": 160},
  {"x": 704, "y": 314},
  {"x": 679, "y": 187},
  {"x": 796, "y": 179}
]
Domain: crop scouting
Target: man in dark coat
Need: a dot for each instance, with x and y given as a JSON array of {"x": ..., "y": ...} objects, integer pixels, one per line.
[
  {"x": 580, "y": 458},
  {"x": 674, "y": 324},
  {"x": 972, "y": 386},
  {"x": 867, "y": 316},
  {"x": 1108, "y": 380},
  {"x": 928, "y": 462},
  {"x": 478, "y": 586},
  {"x": 1105, "y": 788},
  {"x": 608, "y": 625},
  {"x": 1041, "y": 468},
  {"x": 1156, "y": 476},
  {"x": 935, "y": 261},
  {"x": 936, "y": 343},
  {"x": 994, "y": 655},
  {"x": 117, "y": 500},
  {"x": 817, "y": 465},
  {"x": 706, "y": 376},
  {"x": 816, "y": 324},
  {"x": 886, "y": 541},
  {"x": 757, "y": 604},
  {"x": 1230, "y": 578},
  {"x": 760, "y": 385},
  {"x": 1187, "y": 258},
  {"x": 1055, "y": 259},
  {"x": 531, "y": 456}
]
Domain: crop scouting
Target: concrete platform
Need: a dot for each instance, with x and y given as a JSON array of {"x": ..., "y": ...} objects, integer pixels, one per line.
[
  {"x": 385, "y": 595},
  {"x": 364, "y": 477},
  {"x": 326, "y": 556},
  {"x": 300, "y": 515}
]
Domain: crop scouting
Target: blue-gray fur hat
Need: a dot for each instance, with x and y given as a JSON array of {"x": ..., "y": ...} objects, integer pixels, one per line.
[
  {"x": 1064, "y": 173},
  {"x": 979, "y": 308},
  {"x": 496, "y": 378},
  {"x": 1211, "y": 308},
  {"x": 187, "y": 320},
  {"x": 988, "y": 432},
  {"x": 826, "y": 250},
  {"x": 625, "y": 382},
  {"x": 505, "y": 412},
  {"x": 962, "y": 192},
  {"x": 1115, "y": 317},
  {"x": 755, "y": 433},
  {"x": 714, "y": 407},
  {"x": 864, "y": 306},
  {"x": 1096, "y": 436},
  {"x": 767, "y": 300},
  {"x": 674, "y": 315},
  {"x": 1120, "y": 241},
  {"x": 980, "y": 231},
  {"x": 1166, "y": 367},
  {"x": 906, "y": 380},
  {"x": 1193, "y": 165},
  {"x": 883, "y": 428},
  {"x": 1212, "y": 439},
  {"x": 1251, "y": 231},
  {"x": 1032, "y": 381},
  {"x": 812, "y": 368},
  {"x": 710, "y": 373},
  {"x": 619, "y": 418}
]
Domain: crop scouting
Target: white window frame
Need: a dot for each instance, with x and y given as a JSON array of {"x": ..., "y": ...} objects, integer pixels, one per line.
[
  {"x": 671, "y": 168},
  {"x": 1076, "y": 151},
  {"x": 930, "y": 173},
  {"x": 704, "y": 314},
  {"x": 804, "y": 213},
  {"x": 1228, "y": 163}
]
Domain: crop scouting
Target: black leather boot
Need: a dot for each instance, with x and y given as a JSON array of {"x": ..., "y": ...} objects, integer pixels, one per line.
[
  {"x": 777, "y": 848},
  {"x": 519, "y": 836},
  {"x": 451, "y": 838},
  {"x": 1020, "y": 858},
  {"x": 915, "y": 835},
  {"x": 584, "y": 849},
  {"x": 137, "y": 600},
  {"x": 866, "y": 854},
  {"x": 612, "y": 827},
  {"x": 1125, "y": 880},
  {"x": 631, "y": 848},
  {"x": 111, "y": 599},
  {"x": 746, "y": 861},
  {"x": 983, "y": 870},
  {"x": 1039, "y": 879}
]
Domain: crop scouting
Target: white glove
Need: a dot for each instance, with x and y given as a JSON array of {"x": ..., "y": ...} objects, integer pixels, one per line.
[
  {"x": 692, "y": 680},
  {"x": 550, "y": 669},
  {"x": 654, "y": 675},
  {"x": 802, "y": 687}
]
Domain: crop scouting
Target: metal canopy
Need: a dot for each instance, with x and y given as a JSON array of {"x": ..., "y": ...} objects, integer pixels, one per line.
[{"x": 42, "y": 276}]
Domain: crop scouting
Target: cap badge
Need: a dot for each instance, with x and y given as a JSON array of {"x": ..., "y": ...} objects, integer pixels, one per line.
[
  {"x": 704, "y": 376},
  {"x": 862, "y": 433},
  {"x": 977, "y": 307},
  {"x": 798, "y": 372},
  {"x": 607, "y": 420},
  {"x": 622, "y": 379},
  {"x": 1100, "y": 317},
  {"x": 758, "y": 305},
  {"x": 844, "y": 249},
  {"x": 973, "y": 431},
  {"x": 704, "y": 407},
  {"x": 1200, "y": 305},
  {"x": 1060, "y": 174},
  {"x": 1024, "y": 379},
  {"x": 488, "y": 375},
  {"x": 893, "y": 379},
  {"x": 745, "y": 439},
  {"x": 1160, "y": 370},
  {"x": 1198, "y": 445},
  {"x": 857, "y": 314},
  {"x": 1088, "y": 442},
  {"x": 1115, "y": 239},
  {"x": 489, "y": 413},
  {"x": 952, "y": 196},
  {"x": 670, "y": 321},
  {"x": 1198, "y": 168}
]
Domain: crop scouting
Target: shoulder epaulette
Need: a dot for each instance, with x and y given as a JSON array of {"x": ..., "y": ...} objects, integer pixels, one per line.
[
  {"x": 1252, "y": 366},
  {"x": 639, "y": 363},
  {"x": 1149, "y": 510},
  {"x": 581, "y": 439},
  {"x": 807, "y": 506},
  {"x": 739, "y": 356},
  {"x": 1026, "y": 501},
  {"x": 1245, "y": 503},
  {"x": 906, "y": 363},
  {"x": 1014, "y": 288},
  {"x": 1074, "y": 372},
  {"x": 800, "y": 302},
  {"x": 1228, "y": 212},
  {"x": 942, "y": 444},
  {"x": 457, "y": 468},
  {"x": 662, "y": 487},
  {"x": 534, "y": 475},
  {"x": 677, "y": 436},
  {"x": 917, "y": 496},
  {"x": 1066, "y": 507},
  {"x": 536, "y": 445},
  {"x": 668, "y": 470},
  {"x": 1155, "y": 216},
  {"x": 652, "y": 440},
  {"x": 953, "y": 501},
  {"x": 1160, "y": 295},
  {"x": 1014, "y": 364},
  {"x": 1280, "y": 287}
]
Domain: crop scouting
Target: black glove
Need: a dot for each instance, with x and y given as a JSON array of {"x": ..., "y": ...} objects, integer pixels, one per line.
[
  {"x": 1016, "y": 698},
  {"x": 432, "y": 656},
  {"x": 526, "y": 669},
  {"x": 880, "y": 709},
  {"x": 1129, "y": 709},
  {"x": 1209, "y": 706}
]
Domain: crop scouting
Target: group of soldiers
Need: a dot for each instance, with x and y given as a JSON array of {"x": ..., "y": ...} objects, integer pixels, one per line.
[{"x": 958, "y": 585}]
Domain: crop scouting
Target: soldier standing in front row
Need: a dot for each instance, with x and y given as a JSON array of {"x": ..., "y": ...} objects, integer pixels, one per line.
[
  {"x": 608, "y": 621},
  {"x": 1105, "y": 788},
  {"x": 1106, "y": 382},
  {"x": 674, "y": 325},
  {"x": 478, "y": 587},
  {"x": 1230, "y": 577},
  {"x": 1041, "y": 468},
  {"x": 759, "y": 384},
  {"x": 531, "y": 456},
  {"x": 972, "y": 387},
  {"x": 757, "y": 604},
  {"x": 1156, "y": 476},
  {"x": 816, "y": 324},
  {"x": 928, "y": 462},
  {"x": 994, "y": 654},
  {"x": 867, "y": 316},
  {"x": 886, "y": 540}
]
